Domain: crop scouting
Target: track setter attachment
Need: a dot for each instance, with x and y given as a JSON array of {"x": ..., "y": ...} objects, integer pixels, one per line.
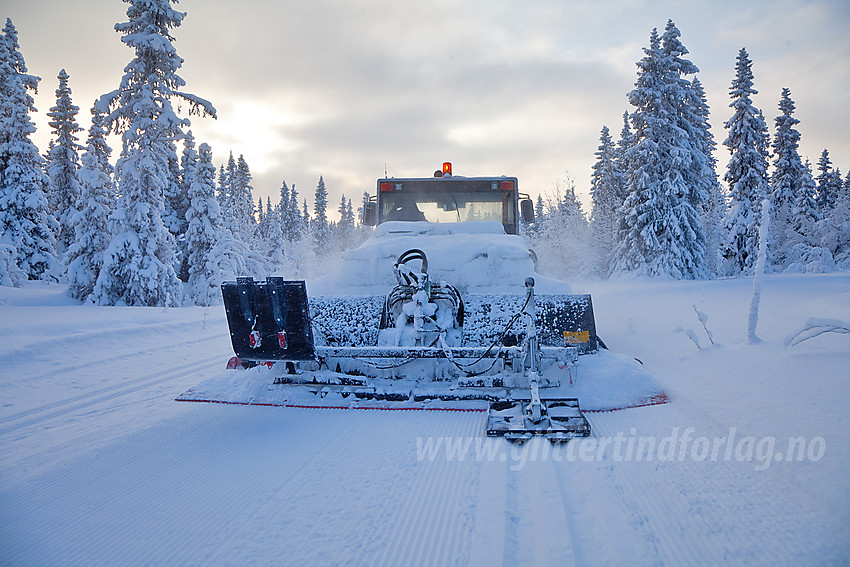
[{"x": 424, "y": 342}]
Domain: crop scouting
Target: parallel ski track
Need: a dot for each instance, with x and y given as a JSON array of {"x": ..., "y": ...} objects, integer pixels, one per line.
[
  {"x": 101, "y": 395},
  {"x": 537, "y": 512},
  {"x": 107, "y": 393},
  {"x": 434, "y": 516},
  {"x": 100, "y": 337},
  {"x": 237, "y": 485},
  {"x": 683, "y": 509},
  {"x": 676, "y": 534}
]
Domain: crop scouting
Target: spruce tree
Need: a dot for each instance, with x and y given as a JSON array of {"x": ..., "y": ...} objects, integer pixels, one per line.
[
  {"x": 841, "y": 221},
  {"x": 661, "y": 232},
  {"x": 139, "y": 263},
  {"x": 91, "y": 226},
  {"x": 361, "y": 210},
  {"x": 274, "y": 232},
  {"x": 267, "y": 224},
  {"x": 178, "y": 202},
  {"x": 604, "y": 192},
  {"x": 206, "y": 236},
  {"x": 349, "y": 214},
  {"x": 228, "y": 195},
  {"x": 746, "y": 173},
  {"x": 175, "y": 202},
  {"x": 621, "y": 165},
  {"x": 63, "y": 163},
  {"x": 539, "y": 215},
  {"x": 10, "y": 274},
  {"x": 829, "y": 185},
  {"x": 294, "y": 220},
  {"x": 687, "y": 100},
  {"x": 261, "y": 213},
  {"x": 243, "y": 222},
  {"x": 26, "y": 225},
  {"x": 786, "y": 183},
  {"x": 96, "y": 144},
  {"x": 345, "y": 226},
  {"x": 806, "y": 250},
  {"x": 321, "y": 227},
  {"x": 289, "y": 215},
  {"x": 223, "y": 193},
  {"x": 306, "y": 221},
  {"x": 713, "y": 208}
]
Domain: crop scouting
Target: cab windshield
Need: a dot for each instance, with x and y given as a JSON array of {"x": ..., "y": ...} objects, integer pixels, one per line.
[{"x": 444, "y": 205}]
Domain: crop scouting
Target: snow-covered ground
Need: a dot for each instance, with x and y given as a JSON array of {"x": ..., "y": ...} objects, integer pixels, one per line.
[{"x": 747, "y": 464}]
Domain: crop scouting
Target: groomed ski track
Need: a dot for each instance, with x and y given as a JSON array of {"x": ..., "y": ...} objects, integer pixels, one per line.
[
  {"x": 236, "y": 485},
  {"x": 104, "y": 468}
]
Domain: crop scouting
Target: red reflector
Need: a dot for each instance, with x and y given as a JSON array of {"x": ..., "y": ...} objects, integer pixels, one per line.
[
  {"x": 254, "y": 339},
  {"x": 387, "y": 186},
  {"x": 281, "y": 339},
  {"x": 447, "y": 168},
  {"x": 506, "y": 185}
]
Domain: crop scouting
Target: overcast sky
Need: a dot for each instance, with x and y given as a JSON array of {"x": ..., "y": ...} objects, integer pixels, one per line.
[{"x": 345, "y": 88}]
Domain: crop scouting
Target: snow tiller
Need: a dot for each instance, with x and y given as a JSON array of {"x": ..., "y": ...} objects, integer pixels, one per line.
[{"x": 424, "y": 345}]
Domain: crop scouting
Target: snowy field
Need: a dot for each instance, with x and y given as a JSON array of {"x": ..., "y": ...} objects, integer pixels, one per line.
[{"x": 747, "y": 464}]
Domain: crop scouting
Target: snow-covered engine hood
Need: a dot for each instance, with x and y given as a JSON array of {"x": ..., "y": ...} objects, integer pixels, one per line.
[{"x": 476, "y": 257}]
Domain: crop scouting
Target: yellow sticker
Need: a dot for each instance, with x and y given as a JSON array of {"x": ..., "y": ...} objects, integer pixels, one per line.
[{"x": 575, "y": 337}]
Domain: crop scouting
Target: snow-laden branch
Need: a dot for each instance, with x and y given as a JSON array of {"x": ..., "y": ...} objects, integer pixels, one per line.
[
  {"x": 815, "y": 327},
  {"x": 197, "y": 106},
  {"x": 703, "y": 318}
]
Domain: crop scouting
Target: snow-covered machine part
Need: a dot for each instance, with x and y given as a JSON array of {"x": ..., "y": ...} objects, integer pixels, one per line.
[
  {"x": 474, "y": 256},
  {"x": 420, "y": 353}
]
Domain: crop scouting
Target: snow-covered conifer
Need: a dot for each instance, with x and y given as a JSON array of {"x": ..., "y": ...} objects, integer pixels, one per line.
[
  {"x": 138, "y": 267},
  {"x": 243, "y": 221},
  {"x": 687, "y": 99},
  {"x": 26, "y": 225},
  {"x": 829, "y": 184},
  {"x": 705, "y": 172},
  {"x": 625, "y": 142},
  {"x": 661, "y": 232},
  {"x": 805, "y": 249},
  {"x": 91, "y": 226},
  {"x": 223, "y": 193},
  {"x": 605, "y": 195},
  {"x": 290, "y": 217},
  {"x": 539, "y": 215},
  {"x": 63, "y": 162},
  {"x": 361, "y": 210},
  {"x": 96, "y": 143},
  {"x": 306, "y": 220},
  {"x": 805, "y": 211},
  {"x": 787, "y": 179},
  {"x": 321, "y": 227},
  {"x": 177, "y": 202},
  {"x": 205, "y": 230},
  {"x": 10, "y": 274},
  {"x": 345, "y": 226},
  {"x": 294, "y": 227},
  {"x": 746, "y": 173},
  {"x": 261, "y": 212},
  {"x": 275, "y": 236}
]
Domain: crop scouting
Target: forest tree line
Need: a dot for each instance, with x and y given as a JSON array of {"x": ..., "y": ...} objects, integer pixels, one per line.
[{"x": 158, "y": 228}]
